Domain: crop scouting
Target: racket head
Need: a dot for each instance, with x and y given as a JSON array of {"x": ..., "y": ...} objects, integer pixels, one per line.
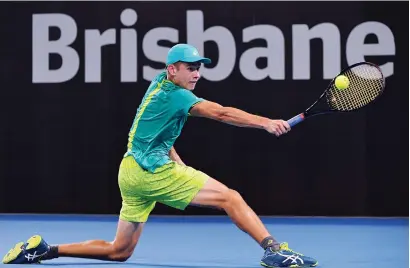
[{"x": 366, "y": 84}]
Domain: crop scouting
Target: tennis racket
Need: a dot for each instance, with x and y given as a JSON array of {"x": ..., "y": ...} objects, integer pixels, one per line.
[{"x": 366, "y": 84}]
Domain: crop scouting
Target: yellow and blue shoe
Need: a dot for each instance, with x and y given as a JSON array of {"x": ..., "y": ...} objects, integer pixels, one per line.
[
  {"x": 33, "y": 251},
  {"x": 285, "y": 257}
]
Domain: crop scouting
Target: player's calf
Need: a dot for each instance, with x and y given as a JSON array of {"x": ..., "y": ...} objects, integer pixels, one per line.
[
  {"x": 98, "y": 249},
  {"x": 121, "y": 249},
  {"x": 218, "y": 195}
]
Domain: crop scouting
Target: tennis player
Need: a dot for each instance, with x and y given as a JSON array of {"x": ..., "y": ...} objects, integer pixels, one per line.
[{"x": 152, "y": 171}]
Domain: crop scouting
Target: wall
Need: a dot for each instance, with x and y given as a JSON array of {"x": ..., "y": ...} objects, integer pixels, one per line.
[{"x": 66, "y": 108}]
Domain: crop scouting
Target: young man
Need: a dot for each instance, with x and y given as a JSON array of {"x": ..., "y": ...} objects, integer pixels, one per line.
[{"x": 151, "y": 171}]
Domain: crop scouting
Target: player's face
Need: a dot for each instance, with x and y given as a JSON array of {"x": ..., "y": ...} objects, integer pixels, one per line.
[{"x": 187, "y": 74}]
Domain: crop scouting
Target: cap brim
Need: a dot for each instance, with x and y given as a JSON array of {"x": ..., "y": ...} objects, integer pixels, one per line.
[
  {"x": 205, "y": 60},
  {"x": 198, "y": 59}
]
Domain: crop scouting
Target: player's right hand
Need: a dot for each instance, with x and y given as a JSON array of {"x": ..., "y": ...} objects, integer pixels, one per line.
[{"x": 277, "y": 127}]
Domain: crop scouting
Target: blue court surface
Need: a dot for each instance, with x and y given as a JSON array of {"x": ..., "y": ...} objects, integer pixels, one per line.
[{"x": 215, "y": 242}]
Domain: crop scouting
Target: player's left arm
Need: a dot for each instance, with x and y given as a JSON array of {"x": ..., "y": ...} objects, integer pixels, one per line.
[{"x": 175, "y": 157}]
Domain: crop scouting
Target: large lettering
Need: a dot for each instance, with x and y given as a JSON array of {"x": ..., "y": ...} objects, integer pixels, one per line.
[{"x": 197, "y": 34}]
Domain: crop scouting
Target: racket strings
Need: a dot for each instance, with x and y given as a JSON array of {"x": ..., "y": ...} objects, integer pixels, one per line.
[{"x": 366, "y": 82}]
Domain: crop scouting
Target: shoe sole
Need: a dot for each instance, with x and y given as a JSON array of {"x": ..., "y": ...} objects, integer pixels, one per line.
[
  {"x": 13, "y": 253},
  {"x": 292, "y": 266},
  {"x": 33, "y": 242}
]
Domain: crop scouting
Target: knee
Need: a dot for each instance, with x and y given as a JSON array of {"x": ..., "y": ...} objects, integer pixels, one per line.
[
  {"x": 120, "y": 258},
  {"x": 231, "y": 199},
  {"x": 121, "y": 254}
]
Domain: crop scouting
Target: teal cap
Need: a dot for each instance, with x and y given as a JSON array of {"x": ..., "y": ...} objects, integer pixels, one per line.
[{"x": 185, "y": 53}]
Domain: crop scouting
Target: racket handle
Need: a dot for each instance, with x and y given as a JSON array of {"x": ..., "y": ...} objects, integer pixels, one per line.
[{"x": 296, "y": 119}]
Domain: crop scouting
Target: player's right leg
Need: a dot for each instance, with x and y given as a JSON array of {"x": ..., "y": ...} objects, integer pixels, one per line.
[
  {"x": 179, "y": 186},
  {"x": 216, "y": 194}
]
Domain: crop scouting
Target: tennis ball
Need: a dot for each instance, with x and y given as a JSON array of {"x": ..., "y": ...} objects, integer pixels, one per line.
[{"x": 341, "y": 82}]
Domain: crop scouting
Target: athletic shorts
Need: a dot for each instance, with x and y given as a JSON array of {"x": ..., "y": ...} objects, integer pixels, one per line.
[{"x": 172, "y": 184}]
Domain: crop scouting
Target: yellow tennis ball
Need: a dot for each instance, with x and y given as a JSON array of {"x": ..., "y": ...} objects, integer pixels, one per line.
[{"x": 341, "y": 82}]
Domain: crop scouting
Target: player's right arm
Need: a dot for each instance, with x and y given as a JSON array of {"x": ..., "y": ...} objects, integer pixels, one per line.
[{"x": 239, "y": 118}]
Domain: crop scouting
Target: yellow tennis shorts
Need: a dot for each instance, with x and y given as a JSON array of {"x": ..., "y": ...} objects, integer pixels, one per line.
[{"x": 172, "y": 184}]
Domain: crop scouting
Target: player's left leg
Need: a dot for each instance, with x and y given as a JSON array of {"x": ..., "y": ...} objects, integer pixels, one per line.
[
  {"x": 126, "y": 239},
  {"x": 36, "y": 248},
  {"x": 134, "y": 213}
]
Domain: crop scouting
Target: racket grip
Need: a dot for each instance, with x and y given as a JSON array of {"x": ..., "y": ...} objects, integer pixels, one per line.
[{"x": 296, "y": 119}]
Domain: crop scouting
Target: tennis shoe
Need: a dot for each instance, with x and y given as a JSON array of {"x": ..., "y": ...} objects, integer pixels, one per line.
[
  {"x": 33, "y": 251},
  {"x": 285, "y": 257}
]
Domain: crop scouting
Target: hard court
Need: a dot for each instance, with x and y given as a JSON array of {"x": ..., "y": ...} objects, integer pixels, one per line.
[{"x": 215, "y": 242}]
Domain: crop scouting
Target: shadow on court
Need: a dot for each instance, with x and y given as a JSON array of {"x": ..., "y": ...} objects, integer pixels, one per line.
[{"x": 142, "y": 265}]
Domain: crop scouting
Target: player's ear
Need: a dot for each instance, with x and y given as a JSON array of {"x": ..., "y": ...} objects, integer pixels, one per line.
[{"x": 172, "y": 69}]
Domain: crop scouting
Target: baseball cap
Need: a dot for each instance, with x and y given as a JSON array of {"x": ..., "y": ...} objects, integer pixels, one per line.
[{"x": 185, "y": 53}]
